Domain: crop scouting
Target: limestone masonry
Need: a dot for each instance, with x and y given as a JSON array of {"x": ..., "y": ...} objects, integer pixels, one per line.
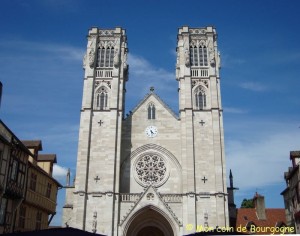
[{"x": 152, "y": 171}]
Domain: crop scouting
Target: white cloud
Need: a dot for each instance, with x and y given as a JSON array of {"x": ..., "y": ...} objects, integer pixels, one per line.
[
  {"x": 286, "y": 57},
  {"x": 42, "y": 49},
  {"x": 253, "y": 86},
  {"x": 139, "y": 66},
  {"x": 234, "y": 110},
  {"x": 230, "y": 62},
  {"x": 67, "y": 52},
  {"x": 259, "y": 153},
  {"x": 144, "y": 74},
  {"x": 60, "y": 172}
]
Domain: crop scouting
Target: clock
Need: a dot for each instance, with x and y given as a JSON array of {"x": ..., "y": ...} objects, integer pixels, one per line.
[{"x": 151, "y": 131}]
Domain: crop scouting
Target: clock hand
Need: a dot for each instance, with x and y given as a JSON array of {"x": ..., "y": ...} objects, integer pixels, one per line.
[{"x": 151, "y": 131}]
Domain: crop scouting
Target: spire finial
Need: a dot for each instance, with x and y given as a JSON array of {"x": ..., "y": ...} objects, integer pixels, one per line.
[
  {"x": 151, "y": 89},
  {"x": 68, "y": 177},
  {"x": 231, "y": 179}
]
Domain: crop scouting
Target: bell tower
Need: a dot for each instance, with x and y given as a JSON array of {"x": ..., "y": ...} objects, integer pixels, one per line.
[
  {"x": 98, "y": 158},
  {"x": 151, "y": 171},
  {"x": 201, "y": 116}
]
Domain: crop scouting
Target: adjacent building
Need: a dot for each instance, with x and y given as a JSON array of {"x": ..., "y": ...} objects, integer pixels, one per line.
[
  {"x": 39, "y": 205},
  {"x": 291, "y": 194},
  {"x": 152, "y": 171},
  {"x": 261, "y": 220},
  {"x": 28, "y": 191},
  {"x": 256, "y": 220},
  {"x": 14, "y": 162}
]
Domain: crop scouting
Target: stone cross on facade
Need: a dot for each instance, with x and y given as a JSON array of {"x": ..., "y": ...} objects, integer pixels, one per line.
[
  {"x": 100, "y": 122},
  {"x": 97, "y": 178},
  {"x": 202, "y": 122},
  {"x": 204, "y": 179}
]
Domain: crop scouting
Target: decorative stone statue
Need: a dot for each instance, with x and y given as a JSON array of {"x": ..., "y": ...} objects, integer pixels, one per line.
[
  {"x": 116, "y": 58},
  {"x": 92, "y": 52},
  {"x": 68, "y": 177},
  {"x": 91, "y": 58},
  {"x": 211, "y": 54},
  {"x": 125, "y": 59},
  {"x": 94, "y": 222},
  {"x": 187, "y": 56},
  {"x": 84, "y": 61}
]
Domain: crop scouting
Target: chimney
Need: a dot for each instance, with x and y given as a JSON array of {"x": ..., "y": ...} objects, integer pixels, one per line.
[{"x": 259, "y": 204}]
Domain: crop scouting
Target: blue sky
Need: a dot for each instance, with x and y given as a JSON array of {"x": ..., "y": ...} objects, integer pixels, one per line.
[{"x": 43, "y": 41}]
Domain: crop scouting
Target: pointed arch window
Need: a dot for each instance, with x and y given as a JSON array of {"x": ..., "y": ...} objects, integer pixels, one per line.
[
  {"x": 198, "y": 55},
  {"x": 105, "y": 56},
  {"x": 102, "y": 98},
  {"x": 200, "y": 99},
  {"x": 151, "y": 111}
]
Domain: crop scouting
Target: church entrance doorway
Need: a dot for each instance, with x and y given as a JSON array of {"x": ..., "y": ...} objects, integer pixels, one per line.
[
  {"x": 149, "y": 222},
  {"x": 150, "y": 230}
]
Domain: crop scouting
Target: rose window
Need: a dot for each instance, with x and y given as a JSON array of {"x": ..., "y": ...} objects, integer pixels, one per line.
[{"x": 150, "y": 169}]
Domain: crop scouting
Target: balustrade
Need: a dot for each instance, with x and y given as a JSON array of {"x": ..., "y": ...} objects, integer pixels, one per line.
[
  {"x": 171, "y": 198},
  {"x": 133, "y": 197},
  {"x": 199, "y": 73},
  {"x": 127, "y": 197},
  {"x": 40, "y": 200},
  {"x": 101, "y": 73}
]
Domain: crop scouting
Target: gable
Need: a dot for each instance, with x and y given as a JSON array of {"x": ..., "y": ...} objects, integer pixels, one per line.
[
  {"x": 161, "y": 108},
  {"x": 151, "y": 198}
]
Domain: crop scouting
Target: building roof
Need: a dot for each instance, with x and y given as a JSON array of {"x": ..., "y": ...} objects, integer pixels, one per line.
[
  {"x": 47, "y": 157},
  {"x": 275, "y": 217},
  {"x": 7, "y": 136},
  {"x": 33, "y": 144},
  {"x": 294, "y": 154},
  {"x": 291, "y": 172}
]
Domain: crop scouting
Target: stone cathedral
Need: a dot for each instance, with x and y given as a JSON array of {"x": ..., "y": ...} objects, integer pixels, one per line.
[{"x": 151, "y": 172}]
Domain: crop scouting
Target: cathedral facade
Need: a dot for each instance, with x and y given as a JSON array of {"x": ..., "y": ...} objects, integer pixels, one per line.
[{"x": 152, "y": 172}]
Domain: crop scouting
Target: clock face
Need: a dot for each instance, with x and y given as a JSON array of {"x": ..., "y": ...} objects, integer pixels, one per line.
[{"x": 151, "y": 131}]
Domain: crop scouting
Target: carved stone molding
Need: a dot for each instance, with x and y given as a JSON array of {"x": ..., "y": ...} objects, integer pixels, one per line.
[
  {"x": 197, "y": 31},
  {"x": 196, "y": 82},
  {"x": 106, "y": 32},
  {"x": 102, "y": 82}
]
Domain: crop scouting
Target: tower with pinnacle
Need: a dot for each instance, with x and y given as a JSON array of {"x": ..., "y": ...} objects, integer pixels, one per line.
[{"x": 152, "y": 171}]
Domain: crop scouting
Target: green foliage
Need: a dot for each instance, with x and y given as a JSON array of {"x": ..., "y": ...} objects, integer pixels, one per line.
[{"x": 247, "y": 203}]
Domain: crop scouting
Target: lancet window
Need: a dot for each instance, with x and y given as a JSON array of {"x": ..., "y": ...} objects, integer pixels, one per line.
[
  {"x": 200, "y": 98},
  {"x": 105, "y": 56},
  {"x": 102, "y": 98},
  {"x": 151, "y": 111},
  {"x": 198, "y": 55}
]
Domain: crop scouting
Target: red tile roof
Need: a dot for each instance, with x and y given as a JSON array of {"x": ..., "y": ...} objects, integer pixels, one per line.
[{"x": 275, "y": 217}]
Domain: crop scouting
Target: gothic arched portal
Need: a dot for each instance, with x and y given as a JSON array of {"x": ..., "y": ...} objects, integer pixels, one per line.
[{"x": 149, "y": 222}]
